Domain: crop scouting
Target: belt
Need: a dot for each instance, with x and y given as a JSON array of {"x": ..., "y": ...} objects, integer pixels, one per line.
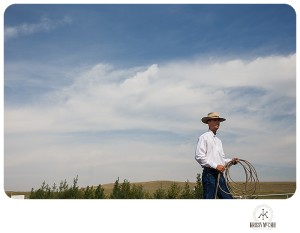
[{"x": 210, "y": 169}]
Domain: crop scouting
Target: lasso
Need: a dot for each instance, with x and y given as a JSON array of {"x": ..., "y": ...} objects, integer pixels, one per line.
[{"x": 245, "y": 189}]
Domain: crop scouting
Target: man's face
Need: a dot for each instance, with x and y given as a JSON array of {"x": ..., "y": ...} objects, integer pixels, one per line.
[{"x": 214, "y": 124}]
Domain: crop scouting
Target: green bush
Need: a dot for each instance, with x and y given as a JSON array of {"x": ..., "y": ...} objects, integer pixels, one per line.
[
  {"x": 187, "y": 192},
  {"x": 116, "y": 193},
  {"x": 120, "y": 191},
  {"x": 198, "y": 189},
  {"x": 89, "y": 193},
  {"x": 160, "y": 194},
  {"x": 137, "y": 192},
  {"x": 173, "y": 191},
  {"x": 99, "y": 192}
]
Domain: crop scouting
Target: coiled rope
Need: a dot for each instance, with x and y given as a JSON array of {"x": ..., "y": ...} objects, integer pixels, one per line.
[{"x": 245, "y": 189}]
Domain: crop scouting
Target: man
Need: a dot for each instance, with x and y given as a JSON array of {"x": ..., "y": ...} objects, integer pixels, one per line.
[{"x": 210, "y": 155}]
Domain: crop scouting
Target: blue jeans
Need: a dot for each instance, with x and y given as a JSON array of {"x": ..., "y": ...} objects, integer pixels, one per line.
[{"x": 209, "y": 183}]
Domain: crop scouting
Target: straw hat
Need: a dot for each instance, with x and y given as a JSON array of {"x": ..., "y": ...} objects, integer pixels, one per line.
[{"x": 212, "y": 115}]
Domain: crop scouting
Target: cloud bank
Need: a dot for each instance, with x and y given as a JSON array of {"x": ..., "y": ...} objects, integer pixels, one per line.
[
  {"x": 142, "y": 123},
  {"x": 44, "y": 25}
]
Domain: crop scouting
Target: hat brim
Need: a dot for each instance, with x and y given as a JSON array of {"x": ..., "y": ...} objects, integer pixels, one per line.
[{"x": 206, "y": 119}]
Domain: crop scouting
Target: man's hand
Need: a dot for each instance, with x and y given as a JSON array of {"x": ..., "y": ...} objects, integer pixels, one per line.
[
  {"x": 235, "y": 161},
  {"x": 220, "y": 168}
]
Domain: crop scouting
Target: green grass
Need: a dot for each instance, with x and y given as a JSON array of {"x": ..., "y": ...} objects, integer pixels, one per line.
[
  {"x": 276, "y": 188},
  {"x": 264, "y": 187}
]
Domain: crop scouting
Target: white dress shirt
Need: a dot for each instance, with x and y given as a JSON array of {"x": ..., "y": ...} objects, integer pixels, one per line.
[{"x": 209, "y": 151}]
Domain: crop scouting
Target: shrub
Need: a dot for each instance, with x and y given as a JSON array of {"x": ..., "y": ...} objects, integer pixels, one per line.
[
  {"x": 160, "y": 194},
  {"x": 89, "y": 193},
  {"x": 187, "y": 193},
  {"x": 116, "y": 193},
  {"x": 120, "y": 191},
  {"x": 137, "y": 192},
  {"x": 198, "y": 188},
  {"x": 173, "y": 191},
  {"x": 99, "y": 192}
]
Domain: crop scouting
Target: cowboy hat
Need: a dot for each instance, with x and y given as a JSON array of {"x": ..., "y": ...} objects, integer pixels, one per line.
[{"x": 212, "y": 115}]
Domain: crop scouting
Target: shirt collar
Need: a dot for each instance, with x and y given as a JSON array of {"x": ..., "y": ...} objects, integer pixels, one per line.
[{"x": 211, "y": 133}]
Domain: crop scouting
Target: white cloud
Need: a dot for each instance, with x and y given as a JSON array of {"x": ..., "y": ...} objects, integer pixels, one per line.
[
  {"x": 257, "y": 98},
  {"x": 158, "y": 96},
  {"x": 44, "y": 25}
]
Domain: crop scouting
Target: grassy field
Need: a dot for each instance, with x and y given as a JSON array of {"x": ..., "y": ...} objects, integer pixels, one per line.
[
  {"x": 152, "y": 186},
  {"x": 264, "y": 187},
  {"x": 276, "y": 188}
]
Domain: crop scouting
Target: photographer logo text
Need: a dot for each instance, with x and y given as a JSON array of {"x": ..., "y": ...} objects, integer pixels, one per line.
[{"x": 263, "y": 216}]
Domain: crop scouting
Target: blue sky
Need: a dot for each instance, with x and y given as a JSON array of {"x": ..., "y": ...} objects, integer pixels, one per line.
[
  {"x": 107, "y": 91},
  {"x": 142, "y": 34}
]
